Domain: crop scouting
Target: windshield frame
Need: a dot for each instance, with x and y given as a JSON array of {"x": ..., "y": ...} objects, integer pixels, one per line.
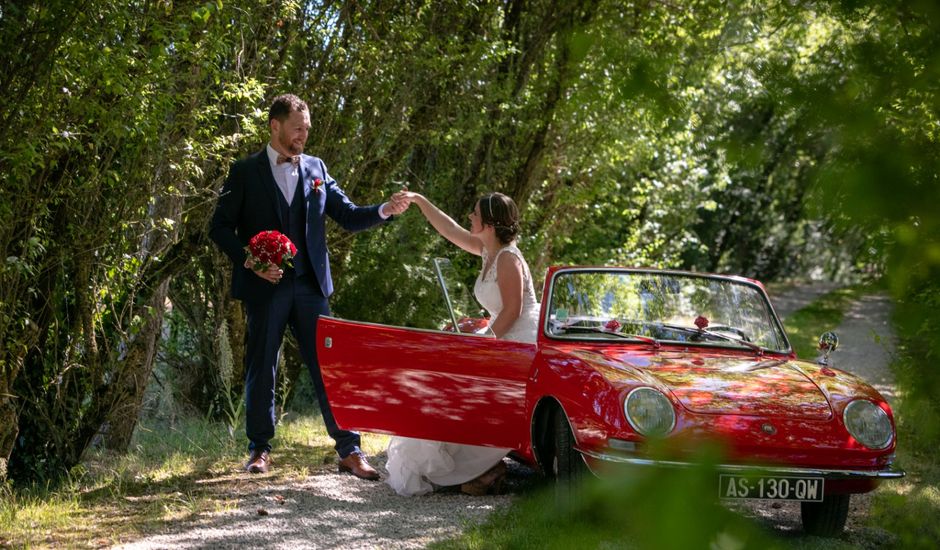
[{"x": 587, "y": 337}]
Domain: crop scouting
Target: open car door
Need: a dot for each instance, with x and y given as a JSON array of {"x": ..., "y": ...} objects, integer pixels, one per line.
[{"x": 461, "y": 388}]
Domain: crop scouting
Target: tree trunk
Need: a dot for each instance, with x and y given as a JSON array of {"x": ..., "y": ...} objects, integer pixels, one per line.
[
  {"x": 138, "y": 365},
  {"x": 9, "y": 417},
  {"x": 8, "y": 429}
]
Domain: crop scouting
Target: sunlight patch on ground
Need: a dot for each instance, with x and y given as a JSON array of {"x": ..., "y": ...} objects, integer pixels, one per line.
[
  {"x": 39, "y": 519},
  {"x": 931, "y": 495},
  {"x": 176, "y": 465},
  {"x": 326, "y": 486},
  {"x": 37, "y": 513}
]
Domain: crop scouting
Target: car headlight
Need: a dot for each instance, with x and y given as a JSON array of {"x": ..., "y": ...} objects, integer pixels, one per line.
[
  {"x": 649, "y": 412},
  {"x": 868, "y": 424}
]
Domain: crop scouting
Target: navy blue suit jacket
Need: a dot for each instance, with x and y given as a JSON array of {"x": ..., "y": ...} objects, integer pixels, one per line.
[{"x": 248, "y": 204}]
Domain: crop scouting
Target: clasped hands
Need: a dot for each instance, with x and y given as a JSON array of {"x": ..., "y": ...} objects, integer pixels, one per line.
[{"x": 399, "y": 202}]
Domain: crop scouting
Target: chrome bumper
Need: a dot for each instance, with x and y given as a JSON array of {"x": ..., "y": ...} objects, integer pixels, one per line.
[{"x": 888, "y": 473}]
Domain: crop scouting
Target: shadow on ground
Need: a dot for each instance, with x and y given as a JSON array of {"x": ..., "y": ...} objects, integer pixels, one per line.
[{"x": 327, "y": 509}]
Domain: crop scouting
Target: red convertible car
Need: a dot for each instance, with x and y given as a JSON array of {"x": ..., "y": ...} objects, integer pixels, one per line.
[{"x": 625, "y": 356}]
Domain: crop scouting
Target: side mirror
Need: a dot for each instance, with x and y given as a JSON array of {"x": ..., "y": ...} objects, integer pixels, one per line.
[{"x": 828, "y": 343}]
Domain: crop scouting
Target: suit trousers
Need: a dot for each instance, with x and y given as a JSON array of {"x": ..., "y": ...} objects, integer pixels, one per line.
[{"x": 296, "y": 302}]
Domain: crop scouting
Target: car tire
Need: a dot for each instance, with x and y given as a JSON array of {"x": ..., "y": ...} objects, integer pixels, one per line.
[
  {"x": 826, "y": 518},
  {"x": 568, "y": 467}
]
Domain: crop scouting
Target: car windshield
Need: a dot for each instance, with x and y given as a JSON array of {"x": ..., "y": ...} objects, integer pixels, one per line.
[{"x": 662, "y": 307}]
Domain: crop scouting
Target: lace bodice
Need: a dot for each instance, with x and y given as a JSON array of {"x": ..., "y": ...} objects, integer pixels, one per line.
[{"x": 486, "y": 291}]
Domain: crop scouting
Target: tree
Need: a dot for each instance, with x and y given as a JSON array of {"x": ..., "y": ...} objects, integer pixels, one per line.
[
  {"x": 103, "y": 174},
  {"x": 639, "y": 133}
]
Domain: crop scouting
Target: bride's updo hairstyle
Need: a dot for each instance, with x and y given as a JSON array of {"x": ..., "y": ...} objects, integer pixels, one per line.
[{"x": 501, "y": 212}]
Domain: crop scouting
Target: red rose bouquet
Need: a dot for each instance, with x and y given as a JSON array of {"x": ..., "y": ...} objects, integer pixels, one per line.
[{"x": 270, "y": 248}]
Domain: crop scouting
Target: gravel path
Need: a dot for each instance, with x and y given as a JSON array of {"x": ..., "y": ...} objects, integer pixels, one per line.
[
  {"x": 789, "y": 297},
  {"x": 327, "y": 510},
  {"x": 867, "y": 342}
]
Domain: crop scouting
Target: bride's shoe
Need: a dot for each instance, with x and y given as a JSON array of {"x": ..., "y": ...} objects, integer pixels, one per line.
[
  {"x": 490, "y": 481},
  {"x": 474, "y": 488}
]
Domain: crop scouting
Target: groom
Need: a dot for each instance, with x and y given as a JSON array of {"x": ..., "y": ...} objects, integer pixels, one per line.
[{"x": 282, "y": 189}]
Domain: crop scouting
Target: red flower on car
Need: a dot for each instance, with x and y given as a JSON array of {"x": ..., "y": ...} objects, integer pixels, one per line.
[
  {"x": 269, "y": 248},
  {"x": 612, "y": 325},
  {"x": 701, "y": 322}
]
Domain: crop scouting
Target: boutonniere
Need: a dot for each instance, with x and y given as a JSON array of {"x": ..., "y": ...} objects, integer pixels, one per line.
[{"x": 316, "y": 184}]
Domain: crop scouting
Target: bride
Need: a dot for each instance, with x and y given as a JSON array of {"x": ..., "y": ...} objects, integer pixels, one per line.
[{"x": 504, "y": 287}]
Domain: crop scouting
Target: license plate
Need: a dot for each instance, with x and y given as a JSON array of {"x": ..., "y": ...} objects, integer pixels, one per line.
[{"x": 771, "y": 487}]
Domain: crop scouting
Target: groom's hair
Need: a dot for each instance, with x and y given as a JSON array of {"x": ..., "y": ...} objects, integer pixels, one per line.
[
  {"x": 283, "y": 105},
  {"x": 501, "y": 212}
]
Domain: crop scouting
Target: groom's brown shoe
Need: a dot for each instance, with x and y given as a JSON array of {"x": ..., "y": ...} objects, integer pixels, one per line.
[
  {"x": 356, "y": 465},
  {"x": 259, "y": 462}
]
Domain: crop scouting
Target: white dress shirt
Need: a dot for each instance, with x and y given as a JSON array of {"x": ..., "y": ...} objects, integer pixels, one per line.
[{"x": 285, "y": 174}]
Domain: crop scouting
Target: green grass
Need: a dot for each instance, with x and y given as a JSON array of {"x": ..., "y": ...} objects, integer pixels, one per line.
[
  {"x": 37, "y": 512},
  {"x": 173, "y": 472},
  {"x": 910, "y": 507},
  {"x": 647, "y": 509}
]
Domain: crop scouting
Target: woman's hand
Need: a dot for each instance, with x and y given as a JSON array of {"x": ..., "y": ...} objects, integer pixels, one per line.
[{"x": 444, "y": 224}]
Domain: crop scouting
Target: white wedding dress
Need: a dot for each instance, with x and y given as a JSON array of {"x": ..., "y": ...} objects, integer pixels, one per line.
[{"x": 417, "y": 466}]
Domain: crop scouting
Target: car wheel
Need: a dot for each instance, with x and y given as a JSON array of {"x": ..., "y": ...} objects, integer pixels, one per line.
[
  {"x": 568, "y": 468},
  {"x": 826, "y": 518}
]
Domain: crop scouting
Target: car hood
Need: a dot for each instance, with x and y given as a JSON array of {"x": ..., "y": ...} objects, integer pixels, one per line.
[{"x": 720, "y": 384}]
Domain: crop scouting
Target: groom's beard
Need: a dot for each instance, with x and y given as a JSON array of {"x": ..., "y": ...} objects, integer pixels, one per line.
[{"x": 292, "y": 147}]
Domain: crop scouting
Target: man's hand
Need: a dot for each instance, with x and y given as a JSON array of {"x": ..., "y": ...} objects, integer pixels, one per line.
[{"x": 272, "y": 274}]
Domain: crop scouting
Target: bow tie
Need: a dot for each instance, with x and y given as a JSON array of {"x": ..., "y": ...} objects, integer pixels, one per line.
[{"x": 295, "y": 160}]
